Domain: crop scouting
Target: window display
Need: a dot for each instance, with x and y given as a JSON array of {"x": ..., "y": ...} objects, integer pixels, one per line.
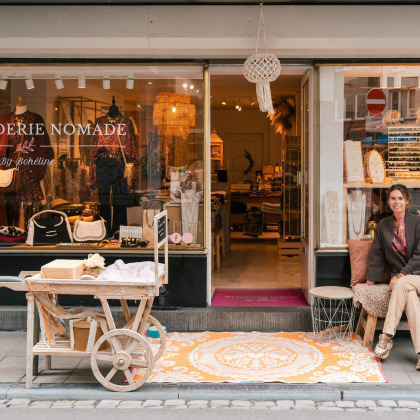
[
  {"x": 97, "y": 151},
  {"x": 369, "y": 140}
]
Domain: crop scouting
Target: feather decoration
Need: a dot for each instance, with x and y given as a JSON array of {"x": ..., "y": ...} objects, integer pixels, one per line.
[{"x": 284, "y": 115}]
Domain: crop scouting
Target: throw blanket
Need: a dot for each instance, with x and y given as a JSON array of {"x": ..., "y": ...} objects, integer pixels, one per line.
[
  {"x": 143, "y": 272},
  {"x": 374, "y": 299}
]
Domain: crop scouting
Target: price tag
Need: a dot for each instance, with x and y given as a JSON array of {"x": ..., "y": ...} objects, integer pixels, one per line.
[
  {"x": 187, "y": 238},
  {"x": 176, "y": 238}
]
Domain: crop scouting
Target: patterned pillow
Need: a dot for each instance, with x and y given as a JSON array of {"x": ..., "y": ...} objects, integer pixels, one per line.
[
  {"x": 359, "y": 257},
  {"x": 11, "y": 231}
]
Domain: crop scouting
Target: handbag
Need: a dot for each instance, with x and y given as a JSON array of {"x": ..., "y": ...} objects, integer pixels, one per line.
[
  {"x": 148, "y": 222},
  {"x": 10, "y": 178},
  {"x": 49, "y": 230},
  {"x": 70, "y": 209},
  {"x": 89, "y": 231},
  {"x": 128, "y": 167}
]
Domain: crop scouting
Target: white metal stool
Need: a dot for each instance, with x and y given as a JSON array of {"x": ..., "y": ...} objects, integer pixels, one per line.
[{"x": 332, "y": 313}]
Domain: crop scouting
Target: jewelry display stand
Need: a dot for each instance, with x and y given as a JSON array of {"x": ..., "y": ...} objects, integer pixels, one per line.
[
  {"x": 356, "y": 214},
  {"x": 353, "y": 161},
  {"x": 331, "y": 217}
]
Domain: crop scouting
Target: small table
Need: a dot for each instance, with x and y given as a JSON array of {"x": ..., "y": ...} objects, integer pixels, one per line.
[{"x": 332, "y": 312}]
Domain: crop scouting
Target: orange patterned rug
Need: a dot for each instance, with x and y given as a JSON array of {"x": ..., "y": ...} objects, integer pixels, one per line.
[{"x": 263, "y": 357}]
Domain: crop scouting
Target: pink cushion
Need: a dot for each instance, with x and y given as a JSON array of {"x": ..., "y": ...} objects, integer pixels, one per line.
[{"x": 359, "y": 258}]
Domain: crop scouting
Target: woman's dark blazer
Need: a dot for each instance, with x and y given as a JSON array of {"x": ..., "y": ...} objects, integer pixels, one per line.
[{"x": 382, "y": 251}]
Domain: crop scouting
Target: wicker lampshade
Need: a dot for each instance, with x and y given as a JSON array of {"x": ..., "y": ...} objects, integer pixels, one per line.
[{"x": 173, "y": 115}]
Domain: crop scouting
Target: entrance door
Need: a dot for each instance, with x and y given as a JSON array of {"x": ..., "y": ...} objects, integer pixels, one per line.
[{"x": 307, "y": 180}]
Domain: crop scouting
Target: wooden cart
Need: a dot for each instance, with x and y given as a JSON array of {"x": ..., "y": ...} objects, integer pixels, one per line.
[{"x": 125, "y": 342}]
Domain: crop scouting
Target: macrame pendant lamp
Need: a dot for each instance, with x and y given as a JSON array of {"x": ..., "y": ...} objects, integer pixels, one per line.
[{"x": 262, "y": 69}]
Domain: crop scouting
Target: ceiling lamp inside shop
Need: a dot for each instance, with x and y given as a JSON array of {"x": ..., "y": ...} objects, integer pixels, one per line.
[
  {"x": 262, "y": 68},
  {"x": 173, "y": 115}
]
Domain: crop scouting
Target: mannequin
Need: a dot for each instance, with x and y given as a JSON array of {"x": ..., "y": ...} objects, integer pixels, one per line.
[
  {"x": 37, "y": 155},
  {"x": 356, "y": 214},
  {"x": 21, "y": 107},
  {"x": 107, "y": 164}
]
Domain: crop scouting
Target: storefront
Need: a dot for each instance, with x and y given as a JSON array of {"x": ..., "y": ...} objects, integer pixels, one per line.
[{"x": 162, "y": 85}]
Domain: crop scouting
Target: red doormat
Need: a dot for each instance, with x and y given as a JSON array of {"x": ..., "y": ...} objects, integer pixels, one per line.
[{"x": 258, "y": 297}]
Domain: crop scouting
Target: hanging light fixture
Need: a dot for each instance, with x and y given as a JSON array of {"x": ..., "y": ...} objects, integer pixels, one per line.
[
  {"x": 262, "y": 69},
  {"x": 29, "y": 83},
  {"x": 173, "y": 114},
  {"x": 81, "y": 82},
  {"x": 59, "y": 82},
  {"x": 106, "y": 83},
  {"x": 3, "y": 84},
  {"x": 130, "y": 82}
]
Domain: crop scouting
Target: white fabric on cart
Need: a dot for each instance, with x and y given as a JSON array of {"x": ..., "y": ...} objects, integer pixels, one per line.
[{"x": 141, "y": 272}]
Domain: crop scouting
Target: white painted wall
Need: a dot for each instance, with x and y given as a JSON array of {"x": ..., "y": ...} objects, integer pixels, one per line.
[{"x": 208, "y": 31}]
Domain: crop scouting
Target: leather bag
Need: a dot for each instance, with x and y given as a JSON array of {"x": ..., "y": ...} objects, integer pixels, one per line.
[
  {"x": 9, "y": 180},
  {"x": 89, "y": 231},
  {"x": 49, "y": 230}
]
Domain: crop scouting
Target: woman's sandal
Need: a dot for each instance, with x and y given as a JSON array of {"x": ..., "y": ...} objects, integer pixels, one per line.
[{"x": 383, "y": 347}]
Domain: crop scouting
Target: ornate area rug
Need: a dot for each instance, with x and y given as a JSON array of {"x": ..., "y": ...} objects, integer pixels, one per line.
[
  {"x": 258, "y": 297},
  {"x": 264, "y": 357}
]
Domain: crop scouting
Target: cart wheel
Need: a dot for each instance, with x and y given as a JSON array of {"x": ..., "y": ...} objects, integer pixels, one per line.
[
  {"x": 159, "y": 348},
  {"x": 129, "y": 350}
]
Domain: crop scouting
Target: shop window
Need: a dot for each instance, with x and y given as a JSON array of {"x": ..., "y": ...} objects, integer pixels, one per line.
[
  {"x": 105, "y": 146},
  {"x": 375, "y": 145}
]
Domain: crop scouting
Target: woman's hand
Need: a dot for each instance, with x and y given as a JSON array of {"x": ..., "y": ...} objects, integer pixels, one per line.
[
  {"x": 368, "y": 283},
  {"x": 392, "y": 282}
]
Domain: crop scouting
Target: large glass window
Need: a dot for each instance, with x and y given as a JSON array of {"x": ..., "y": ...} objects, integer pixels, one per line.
[
  {"x": 108, "y": 147},
  {"x": 369, "y": 140}
]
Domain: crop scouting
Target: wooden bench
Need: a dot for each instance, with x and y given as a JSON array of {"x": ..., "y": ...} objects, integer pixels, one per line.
[{"x": 368, "y": 324}]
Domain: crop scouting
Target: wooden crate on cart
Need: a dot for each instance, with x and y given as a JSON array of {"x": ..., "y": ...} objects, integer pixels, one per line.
[{"x": 288, "y": 250}]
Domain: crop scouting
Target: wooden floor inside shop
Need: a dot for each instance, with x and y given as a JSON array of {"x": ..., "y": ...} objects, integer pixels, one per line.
[{"x": 255, "y": 264}]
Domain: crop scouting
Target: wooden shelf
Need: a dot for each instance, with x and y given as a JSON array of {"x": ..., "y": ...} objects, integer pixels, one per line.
[{"x": 408, "y": 184}]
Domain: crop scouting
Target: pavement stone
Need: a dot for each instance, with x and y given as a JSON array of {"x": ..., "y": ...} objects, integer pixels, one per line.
[
  {"x": 241, "y": 403},
  {"x": 326, "y": 408},
  {"x": 408, "y": 404},
  {"x": 197, "y": 402},
  {"x": 259, "y": 407},
  {"x": 285, "y": 403},
  {"x": 19, "y": 402},
  {"x": 239, "y": 407},
  {"x": 84, "y": 404},
  {"x": 180, "y": 407},
  {"x": 365, "y": 403},
  {"x": 108, "y": 403},
  {"x": 41, "y": 404},
  {"x": 219, "y": 403},
  {"x": 380, "y": 409},
  {"x": 195, "y": 406},
  {"x": 152, "y": 403},
  {"x": 130, "y": 404},
  {"x": 360, "y": 410},
  {"x": 345, "y": 404},
  {"x": 387, "y": 403},
  {"x": 264, "y": 404},
  {"x": 327, "y": 404},
  {"x": 63, "y": 404},
  {"x": 304, "y": 403},
  {"x": 402, "y": 409},
  {"x": 172, "y": 403},
  {"x": 280, "y": 408}
]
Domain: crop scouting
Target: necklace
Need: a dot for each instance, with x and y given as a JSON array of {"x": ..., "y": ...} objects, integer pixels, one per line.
[
  {"x": 331, "y": 208},
  {"x": 19, "y": 118},
  {"x": 356, "y": 231},
  {"x": 113, "y": 120}
]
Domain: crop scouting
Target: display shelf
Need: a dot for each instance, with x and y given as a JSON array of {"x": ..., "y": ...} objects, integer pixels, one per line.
[
  {"x": 403, "y": 150},
  {"x": 408, "y": 184}
]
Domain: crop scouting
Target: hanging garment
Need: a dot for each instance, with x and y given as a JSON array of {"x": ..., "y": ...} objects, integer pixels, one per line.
[
  {"x": 109, "y": 145},
  {"x": 110, "y": 176},
  {"x": 36, "y": 154}
]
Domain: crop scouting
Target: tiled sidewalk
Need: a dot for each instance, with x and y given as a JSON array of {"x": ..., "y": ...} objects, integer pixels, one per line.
[{"x": 399, "y": 368}]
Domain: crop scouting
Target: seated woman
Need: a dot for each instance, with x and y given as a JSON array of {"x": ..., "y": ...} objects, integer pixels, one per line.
[{"x": 397, "y": 241}]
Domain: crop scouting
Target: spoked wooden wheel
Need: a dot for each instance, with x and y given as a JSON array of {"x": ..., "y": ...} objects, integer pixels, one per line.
[
  {"x": 129, "y": 350},
  {"x": 159, "y": 347}
]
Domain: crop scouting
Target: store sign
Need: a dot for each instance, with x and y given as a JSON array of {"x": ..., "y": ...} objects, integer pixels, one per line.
[{"x": 376, "y": 101}]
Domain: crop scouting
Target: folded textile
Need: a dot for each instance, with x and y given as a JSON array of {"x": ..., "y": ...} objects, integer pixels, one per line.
[
  {"x": 143, "y": 272},
  {"x": 374, "y": 299}
]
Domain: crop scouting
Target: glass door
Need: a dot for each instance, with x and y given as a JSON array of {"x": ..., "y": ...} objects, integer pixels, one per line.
[{"x": 307, "y": 179}]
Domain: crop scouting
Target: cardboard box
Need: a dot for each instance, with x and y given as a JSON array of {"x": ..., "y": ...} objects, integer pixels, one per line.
[{"x": 62, "y": 269}]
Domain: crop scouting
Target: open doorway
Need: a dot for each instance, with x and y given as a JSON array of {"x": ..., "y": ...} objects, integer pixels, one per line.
[{"x": 256, "y": 174}]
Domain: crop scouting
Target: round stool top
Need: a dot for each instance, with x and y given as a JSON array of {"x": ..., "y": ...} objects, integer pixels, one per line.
[{"x": 332, "y": 292}]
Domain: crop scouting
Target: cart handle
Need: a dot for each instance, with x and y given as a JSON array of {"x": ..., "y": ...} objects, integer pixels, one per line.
[{"x": 11, "y": 279}]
